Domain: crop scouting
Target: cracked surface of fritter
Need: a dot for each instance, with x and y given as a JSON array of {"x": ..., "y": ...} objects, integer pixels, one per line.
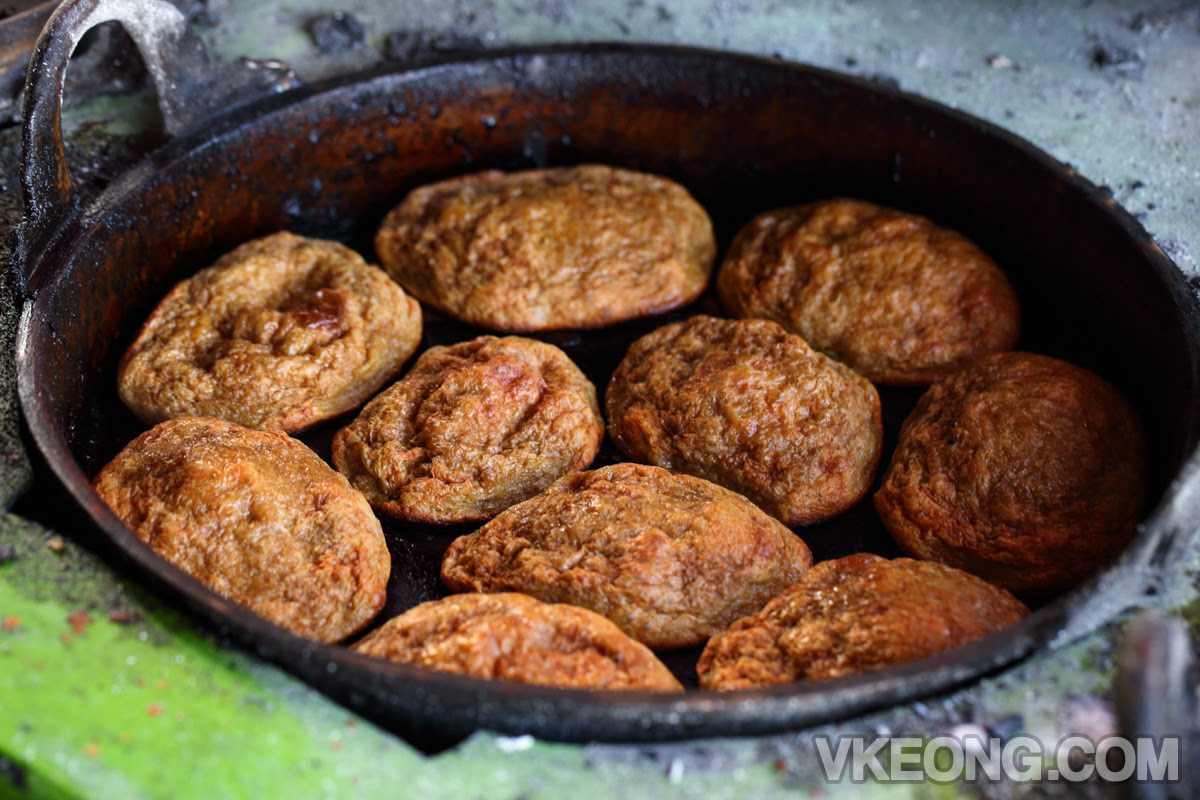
[
  {"x": 1022, "y": 469},
  {"x": 281, "y": 332},
  {"x": 671, "y": 559},
  {"x": 747, "y": 405},
  {"x": 472, "y": 429},
  {"x": 899, "y": 299},
  {"x": 514, "y": 637},
  {"x": 855, "y": 614},
  {"x": 258, "y": 518},
  {"x": 567, "y": 247}
]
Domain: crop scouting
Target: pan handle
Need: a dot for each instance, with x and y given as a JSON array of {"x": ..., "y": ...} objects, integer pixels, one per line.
[{"x": 190, "y": 86}]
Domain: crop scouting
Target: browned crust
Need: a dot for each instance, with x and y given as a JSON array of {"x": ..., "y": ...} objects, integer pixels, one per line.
[
  {"x": 1022, "y": 469},
  {"x": 281, "y": 332},
  {"x": 747, "y": 405},
  {"x": 896, "y": 297},
  {"x": 670, "y": 559},
  {"x": 258, "y": 518},
  {"x": 568, "y": 247},
  {"x": 471, "y": 430},
  {"x": 855, "y": 614},
  {"x": 515, "y": 637}
]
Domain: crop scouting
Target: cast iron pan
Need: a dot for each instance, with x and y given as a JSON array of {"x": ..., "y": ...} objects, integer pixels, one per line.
[{"x": 743, "y": 134}]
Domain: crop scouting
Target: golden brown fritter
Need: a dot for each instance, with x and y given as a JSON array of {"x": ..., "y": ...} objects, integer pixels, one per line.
[
  {"x": 472, "y": 429},
  {"x": 282, "y": 332},
  {"x": 670, "y": 559},
  {"x": 855, "y": 614},
  {"x": 517, "y": 638},
  {"x": 747, "y": 405},
  {"x": 896, "y": 297},
  {"x": 258, "y": 518},
  {"x": 1022, "y": 469},
  {"x": 569, "y": 247}
]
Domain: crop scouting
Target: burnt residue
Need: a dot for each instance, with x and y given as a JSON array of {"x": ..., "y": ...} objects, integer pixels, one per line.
[
  {"x": 416, "y": 46},
  {"x": 94, "y": 158},
  {"x": 1115, "y": 58},
  {"x": 338, "y": 32}
]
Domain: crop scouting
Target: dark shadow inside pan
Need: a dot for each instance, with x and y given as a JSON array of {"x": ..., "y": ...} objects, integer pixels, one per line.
[{"x": 744, "y": 135}]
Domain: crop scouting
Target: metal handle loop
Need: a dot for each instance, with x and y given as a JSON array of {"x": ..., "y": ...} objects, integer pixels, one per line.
[{"x": 189, "y": 85}]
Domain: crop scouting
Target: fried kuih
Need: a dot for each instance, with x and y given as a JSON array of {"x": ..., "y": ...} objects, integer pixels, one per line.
[
  {"x": 747, "y": 405},
  {"x": 514, "y": 637},
  {"x": 894, "y": 296},
  {"x": 671, "y": 559},
  {"x": 282, "y": 332},
  {"x": 258, "y": 518},
  {"x": 472, "y": 429},
  {"x": 567, "y": 247},
  {"x": 854, "y": 614},
  {"x": 1022, "y": 469}
]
